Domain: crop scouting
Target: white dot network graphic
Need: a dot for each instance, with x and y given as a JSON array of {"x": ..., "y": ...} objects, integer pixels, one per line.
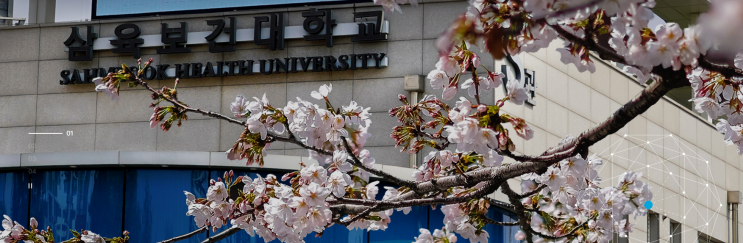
[{"x": 704, "y": 204}]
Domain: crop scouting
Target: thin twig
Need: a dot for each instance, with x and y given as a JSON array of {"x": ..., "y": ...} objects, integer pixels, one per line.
[
  {"x": 185, "y": 236},
  {"x": 491, "y": 221},
  {"x": 355, "y": 161}
]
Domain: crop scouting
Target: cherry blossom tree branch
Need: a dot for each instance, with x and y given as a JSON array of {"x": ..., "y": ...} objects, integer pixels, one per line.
[
  {"x": 363, "y": 205},
  {"x": 291, "y": 139},
  {"x": 723, "y": 69},
  {"x": 493, "y": 222},
  {"x": 535, "y": 191},
  {"x": 514, "y": 198},
  {"x": 603, "y": 52},
  {"x": 185, "y": 236},
  {"x": 501, "y": 204},
  {"x": 222, "y": 235},
  {"x": 358, "y": 216},
  {"x": 355, "y": 161},
  {"x": 569, "y": 9},
  {"x": 648, "y": 97},
  {"x": 520, "y": 211}
]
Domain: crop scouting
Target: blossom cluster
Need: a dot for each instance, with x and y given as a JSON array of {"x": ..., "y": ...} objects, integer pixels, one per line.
[
  {"x": 317, "y": 127},
  {"x": 286, "y": 211},
  {"x": 571, "y": 203},
  {"x": 715, "y": 96},
  {"x": 14, "y": 232},
  {"x": 275, "y": 210}
]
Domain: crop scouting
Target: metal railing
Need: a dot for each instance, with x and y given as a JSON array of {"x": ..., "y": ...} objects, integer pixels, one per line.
[{"x": 9, "y": 20}]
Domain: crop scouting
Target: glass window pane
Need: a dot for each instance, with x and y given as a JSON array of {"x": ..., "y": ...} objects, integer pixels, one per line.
[
  {"x": 156, "y": 206},
  {"x": 675, "y": 232},
  {"x": 14, "y": 191},
  {"x": 78, "y": 199},
  {"x": 653, "y": 226}
]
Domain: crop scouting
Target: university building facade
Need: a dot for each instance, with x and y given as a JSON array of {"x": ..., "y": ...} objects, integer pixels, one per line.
[{"x": 108, "y": 171}]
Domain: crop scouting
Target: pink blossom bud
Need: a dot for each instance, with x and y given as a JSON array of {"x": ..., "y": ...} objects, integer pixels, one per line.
[
  {"x": 482, "y": 108},
  {"x": 401, "y": 97},
  {"x": 127, "y": 232},
  {"x": 232, "y": 173},
  {"x": 139, "y": 61},
  {"x": 177, "y": 81},
  {"x": 452, "y": 238},
  {"x": 150, "y": 61},
  {"x": 226, "y": 173},
  {"x": 84, "y": 232},
  {"x": 34, "y": 223},
  {"x": 475, "y": 60},
  {"x": 36, "y": 231},
  {"x": 520, "y": 235}
]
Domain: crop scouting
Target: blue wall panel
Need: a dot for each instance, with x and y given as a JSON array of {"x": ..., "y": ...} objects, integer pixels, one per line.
[
  {"x": 402, "y": 228},
  {"x": 79, "y": 199},
  {"x": 156, "y": 206},
  {"x": 14, "y": 191},
  {"x": 338, "y": 233},
  {"x": 495, "y": 233}
]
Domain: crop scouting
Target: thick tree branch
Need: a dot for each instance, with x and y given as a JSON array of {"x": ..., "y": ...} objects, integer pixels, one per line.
[
  {"x": 185, "y": 236},
  {"x": 723, "y": 69}
]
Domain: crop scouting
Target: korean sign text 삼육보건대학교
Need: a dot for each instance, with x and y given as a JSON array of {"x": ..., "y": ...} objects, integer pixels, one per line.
[{"x": 270, "y": 30}]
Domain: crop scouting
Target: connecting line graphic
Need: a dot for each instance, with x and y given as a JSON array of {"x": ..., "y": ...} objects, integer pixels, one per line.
[{"x": 683, "y": 170}]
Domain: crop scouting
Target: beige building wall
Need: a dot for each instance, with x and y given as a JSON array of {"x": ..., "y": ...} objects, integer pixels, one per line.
[{"x": 668, "y": 144}]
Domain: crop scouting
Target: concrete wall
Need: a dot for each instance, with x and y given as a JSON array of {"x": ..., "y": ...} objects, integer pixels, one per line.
[
  {"x": 568, "y": 102},
  {"x": 31, "y": 99},
  {"x": 686, "y": 188}
]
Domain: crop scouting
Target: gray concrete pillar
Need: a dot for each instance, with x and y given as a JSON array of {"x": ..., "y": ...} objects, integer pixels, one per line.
[{"x": 41, "y": 11}]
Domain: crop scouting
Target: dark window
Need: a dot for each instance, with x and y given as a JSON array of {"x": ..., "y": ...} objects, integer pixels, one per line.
[
  {"x": 703, "y": 238},
  {"x": 78, "y": 199},
  {"x": 653, "y": 227},
  {"x": 156, "y": 206},
  {"x": 675, "y": 232}
]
